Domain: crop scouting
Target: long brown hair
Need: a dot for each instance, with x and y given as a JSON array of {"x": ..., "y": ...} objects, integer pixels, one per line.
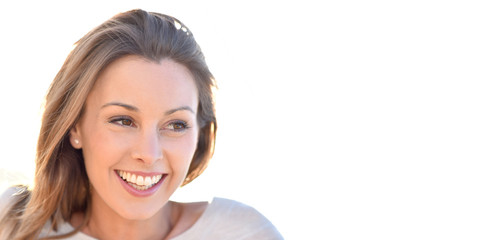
[{"x": 61, "y": 185}]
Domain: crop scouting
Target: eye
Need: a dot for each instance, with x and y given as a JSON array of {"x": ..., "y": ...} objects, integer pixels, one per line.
[
  {"x": 177, "y": 126},
  {"x": 123, "y": 121}
]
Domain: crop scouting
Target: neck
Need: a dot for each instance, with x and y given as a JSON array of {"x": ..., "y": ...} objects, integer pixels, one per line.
[{"x": 105, "y": 223}]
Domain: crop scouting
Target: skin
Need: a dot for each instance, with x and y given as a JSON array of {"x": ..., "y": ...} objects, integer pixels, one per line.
[{"x": 140, "y": 116}]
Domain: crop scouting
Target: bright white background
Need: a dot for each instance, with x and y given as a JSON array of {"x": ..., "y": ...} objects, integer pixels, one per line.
[{"x": 339, "y": 120}]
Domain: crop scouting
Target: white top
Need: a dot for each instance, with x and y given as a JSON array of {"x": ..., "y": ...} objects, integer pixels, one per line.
[{"x": 223, "y": 219}]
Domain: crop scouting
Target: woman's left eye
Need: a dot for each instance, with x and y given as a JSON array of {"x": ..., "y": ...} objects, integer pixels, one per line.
[{"x": 177, "y": 126}]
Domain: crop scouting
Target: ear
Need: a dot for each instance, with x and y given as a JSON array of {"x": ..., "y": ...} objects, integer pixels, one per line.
[{"x": 75, "y": 137}]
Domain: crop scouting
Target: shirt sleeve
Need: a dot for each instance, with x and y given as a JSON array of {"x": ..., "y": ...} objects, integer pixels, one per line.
[{"x": 229, "y": 219}]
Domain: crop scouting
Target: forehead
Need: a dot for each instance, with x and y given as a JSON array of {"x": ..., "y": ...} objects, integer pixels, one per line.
[{"x": 135, "y": 80}]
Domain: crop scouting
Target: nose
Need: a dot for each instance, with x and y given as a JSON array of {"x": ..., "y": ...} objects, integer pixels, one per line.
[{"x": 148, "y": 147}]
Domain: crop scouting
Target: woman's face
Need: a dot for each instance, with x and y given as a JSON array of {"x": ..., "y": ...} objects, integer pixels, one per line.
[{"x": 138, "y": 135}]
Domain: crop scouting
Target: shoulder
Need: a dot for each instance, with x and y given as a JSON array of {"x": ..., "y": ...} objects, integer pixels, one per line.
[
  {"x": 10, "y": 196},
  {"x": 12, "y": 201},
  {"x": 229, "y": 219},
  {"x": 235, "y": 210},
  {"x": 6, "y": 196}
]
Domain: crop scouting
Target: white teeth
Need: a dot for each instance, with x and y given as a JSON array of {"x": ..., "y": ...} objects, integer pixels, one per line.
[
  {"x": 147, "y": 181},
  {"x": 132, "y": 179},
  {"x": 139, "y": 182}
]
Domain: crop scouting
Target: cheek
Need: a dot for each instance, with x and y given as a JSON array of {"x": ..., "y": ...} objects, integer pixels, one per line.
[
  {"x": 101, "y": 151},
  {"x": 181, "y": 153}
]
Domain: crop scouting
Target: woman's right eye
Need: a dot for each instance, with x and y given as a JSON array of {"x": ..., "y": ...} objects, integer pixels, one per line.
[{"x": 123, "y": 121}]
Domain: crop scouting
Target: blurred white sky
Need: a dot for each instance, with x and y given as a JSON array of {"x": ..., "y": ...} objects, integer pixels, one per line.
[{"x": 339, "y": 120}]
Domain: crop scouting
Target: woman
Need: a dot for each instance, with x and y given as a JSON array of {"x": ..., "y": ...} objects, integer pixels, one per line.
[{"x": 128, "y": 119}]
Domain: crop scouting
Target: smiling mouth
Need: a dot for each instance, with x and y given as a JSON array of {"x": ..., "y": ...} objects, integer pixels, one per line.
[{"x": 139, "y": 182}]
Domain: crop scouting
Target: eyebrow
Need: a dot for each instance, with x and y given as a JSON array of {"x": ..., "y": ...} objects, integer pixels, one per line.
[
  {"x": 135, "y": 109},
  {"x": 183, "y": 108},
  {"x": 123, "y": 105}
]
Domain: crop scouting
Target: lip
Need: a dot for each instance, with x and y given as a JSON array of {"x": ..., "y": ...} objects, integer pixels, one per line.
[{"x": 143, "y": 193}]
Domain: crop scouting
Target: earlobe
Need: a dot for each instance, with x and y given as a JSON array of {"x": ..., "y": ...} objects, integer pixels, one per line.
[{"x": 74, "y": 138}]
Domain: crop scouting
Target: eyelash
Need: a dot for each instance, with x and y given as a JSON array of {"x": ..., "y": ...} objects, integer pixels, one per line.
[
  {"x": 185, "y": 126},
  {"x": 170, "y": 126},
  {"x": 116, "y": 121}
]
